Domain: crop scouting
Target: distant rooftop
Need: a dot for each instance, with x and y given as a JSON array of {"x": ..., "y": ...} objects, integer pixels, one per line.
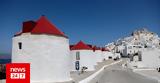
[{"x": 81, "y": 46}]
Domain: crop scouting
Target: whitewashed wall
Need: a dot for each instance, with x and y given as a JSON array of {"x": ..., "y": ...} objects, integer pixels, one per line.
[
  {"x": 98, "y": 55},
  {"x": 73, "y": 59},
  {"x": 151, "y": 58},
  {"x": 105, "y": 55},
  {"x": 117, "y": 55},
  {"x": 48, "y": 55},
  {"x": 110, "y": 54},
  {"x": 87, "y": 58},
  {"x": 133, "y": 50}
]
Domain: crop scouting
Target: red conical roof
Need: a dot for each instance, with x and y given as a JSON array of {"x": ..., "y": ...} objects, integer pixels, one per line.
[
  {"x": 81, "y": 46},
  {"x": 44, "y": 26}
]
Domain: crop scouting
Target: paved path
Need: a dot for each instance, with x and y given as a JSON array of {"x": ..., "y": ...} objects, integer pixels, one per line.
[
  {"x": 154, "y": 74},
  {"x": 117, "y": 74},
  {"x": 120, "y": 76},
  {"x": 77, "y": 77}
]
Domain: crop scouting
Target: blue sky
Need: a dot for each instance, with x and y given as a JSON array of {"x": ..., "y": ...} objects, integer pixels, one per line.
[{"x": 94, "y": 21}]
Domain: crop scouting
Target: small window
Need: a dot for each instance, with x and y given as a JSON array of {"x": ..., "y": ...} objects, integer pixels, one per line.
[
  {"x": 20, "y": 45},
  {"x": 77, "y": 55}
]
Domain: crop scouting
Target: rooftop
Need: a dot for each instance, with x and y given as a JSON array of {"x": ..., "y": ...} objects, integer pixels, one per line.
[{"x": 41, "y": 26}]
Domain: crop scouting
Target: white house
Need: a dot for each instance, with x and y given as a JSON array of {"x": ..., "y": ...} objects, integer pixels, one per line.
[
  {"x": 46, "y": 48},
  {"x": 116, "y": 55},
  {"x": 105, "y": 53},
  {"x": 131, "y": 49},
  {"x": 83, "y": 56},
  {"x": 149, "y": 58}
]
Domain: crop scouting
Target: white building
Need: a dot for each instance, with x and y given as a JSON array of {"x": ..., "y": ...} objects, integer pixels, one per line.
[
  {"x": 119, "y": 49},
  {"x": 105, "y": 53},
  {"x": 98, "y": 54},
  {"x": 131, "y": 49},
  {"x": 151, "y": 58},
  {"x": 83, "y": 56},
  {"x": 46, "y": 48},
  {"x": 148, "y": 58}
]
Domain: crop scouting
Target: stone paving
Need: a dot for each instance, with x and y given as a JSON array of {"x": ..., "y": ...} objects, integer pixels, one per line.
[
  {"x": 154, "y": 74},
  {"x": 78, "y": 77},
  {"x": 118, "y": 74}
]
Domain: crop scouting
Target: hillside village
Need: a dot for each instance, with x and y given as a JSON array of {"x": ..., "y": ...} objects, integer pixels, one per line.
[
  {"x": 142, "y": 47},
  {"x": 43, "y": 45},
  {"x": 141, "y": 37}
]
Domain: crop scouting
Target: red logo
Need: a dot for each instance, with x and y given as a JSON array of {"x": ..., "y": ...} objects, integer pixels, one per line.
[{"x": 18, "y": 73}]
